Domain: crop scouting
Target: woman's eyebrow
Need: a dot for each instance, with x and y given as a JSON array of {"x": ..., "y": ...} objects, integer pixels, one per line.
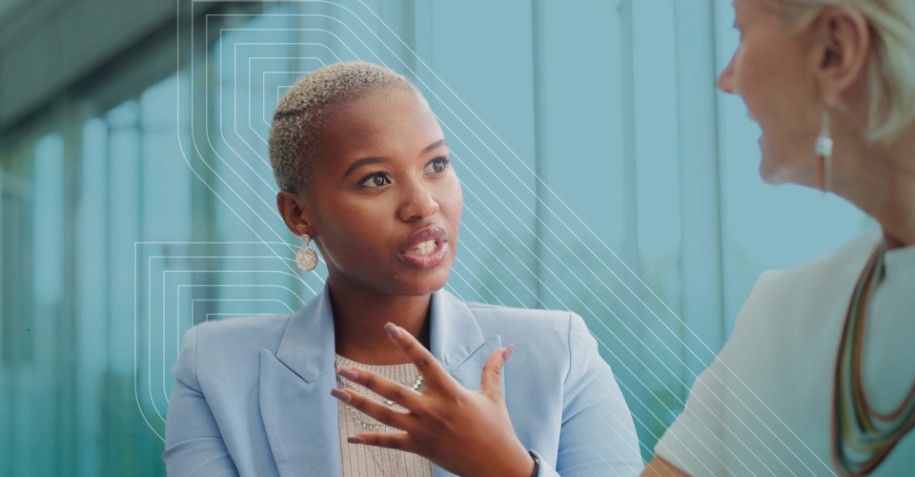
[
  {"x": 361, "y": 162},
  {"x": 440, "y": 142}
]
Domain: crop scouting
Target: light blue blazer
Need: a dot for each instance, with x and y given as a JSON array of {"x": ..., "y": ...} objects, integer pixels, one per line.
[{"x": 252, "y": 395}]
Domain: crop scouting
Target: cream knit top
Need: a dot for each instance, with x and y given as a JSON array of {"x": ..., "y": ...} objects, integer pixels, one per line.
[{"x": 366, "y": 461}]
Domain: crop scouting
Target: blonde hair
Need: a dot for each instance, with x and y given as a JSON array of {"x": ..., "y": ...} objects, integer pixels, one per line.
[
  {"x": 302, "y": 112},
  {"x": 891, "y": 72}
]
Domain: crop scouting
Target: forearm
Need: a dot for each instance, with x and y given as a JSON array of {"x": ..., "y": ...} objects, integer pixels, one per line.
[{"x": 659, "y": 467}]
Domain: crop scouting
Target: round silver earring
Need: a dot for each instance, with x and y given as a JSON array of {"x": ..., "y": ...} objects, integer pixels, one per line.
[
  {"x": 306, "y": 258},
  {"x": 823, "y": 149}
]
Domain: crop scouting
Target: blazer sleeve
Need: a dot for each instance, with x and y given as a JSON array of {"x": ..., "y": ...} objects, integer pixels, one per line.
[
  {"x": 193, "y": 444},
  {"x": 598, "y": 436}
]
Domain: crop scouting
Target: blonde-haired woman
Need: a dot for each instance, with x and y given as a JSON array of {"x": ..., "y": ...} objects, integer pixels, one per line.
[{"x": 817, "y": 377}]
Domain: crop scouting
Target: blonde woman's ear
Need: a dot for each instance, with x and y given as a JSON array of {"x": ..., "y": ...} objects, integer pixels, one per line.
[{"x": 845, "y": 46}]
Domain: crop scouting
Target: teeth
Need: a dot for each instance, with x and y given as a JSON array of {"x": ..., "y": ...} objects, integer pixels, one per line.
[{"x": 424, "y": 248}]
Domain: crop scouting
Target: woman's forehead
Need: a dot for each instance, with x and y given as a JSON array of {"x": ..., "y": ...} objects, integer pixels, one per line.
[{"x": 398, "y": 118}]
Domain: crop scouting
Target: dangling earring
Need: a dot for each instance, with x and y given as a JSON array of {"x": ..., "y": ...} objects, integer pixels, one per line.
[
  {"x": 306, "y": 258},
  {"x": 823, "y": 148}
]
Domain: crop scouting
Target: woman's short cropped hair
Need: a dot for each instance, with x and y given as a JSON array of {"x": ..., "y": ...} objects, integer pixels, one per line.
[
  {"x": 891, "y": 72},
  {"x": 301, "y": 113}
]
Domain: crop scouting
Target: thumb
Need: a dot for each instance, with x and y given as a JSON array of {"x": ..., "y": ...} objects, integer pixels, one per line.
[{"x": 491, "y": 383}]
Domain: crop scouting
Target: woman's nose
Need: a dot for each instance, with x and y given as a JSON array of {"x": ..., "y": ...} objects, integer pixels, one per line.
[
  {"x": 726, "y": 79},
  {"x": 418, "y": 202}
]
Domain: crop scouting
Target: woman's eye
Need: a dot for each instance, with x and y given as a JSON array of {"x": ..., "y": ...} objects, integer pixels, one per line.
[
  {"x": 436, "y": 165},
  {"x": 377, "y": 179}
]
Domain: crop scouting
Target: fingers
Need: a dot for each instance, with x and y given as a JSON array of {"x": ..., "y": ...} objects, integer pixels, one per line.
[
  {"x": 386, "y": 388},
  {"x": 491, "y": 382},
  {"x": 399, "y": 441},
  {"x": 381, "y": 413},
  {"x": 428, "y": 366}
]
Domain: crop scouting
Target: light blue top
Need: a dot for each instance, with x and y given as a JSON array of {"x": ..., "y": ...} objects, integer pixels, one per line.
[{"x": 252, "y": 395}]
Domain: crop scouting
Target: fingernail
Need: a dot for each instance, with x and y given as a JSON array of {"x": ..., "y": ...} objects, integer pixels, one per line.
[
  {"x": 348, "y": 373},
  {"x": 392, "y": 330},
  {"x": 340, "y": 395},
  {"x": 355, "y": 440},
  {"x": 507, "y": 353}
]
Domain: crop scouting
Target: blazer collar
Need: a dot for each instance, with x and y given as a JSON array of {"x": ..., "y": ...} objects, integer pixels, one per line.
[
  {"x": 307, "y": 345},
  {"x": 455, "y": 333},
  {"x": 301, "y": 424}
]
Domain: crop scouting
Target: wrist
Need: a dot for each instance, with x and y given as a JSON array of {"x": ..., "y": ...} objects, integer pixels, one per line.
[
  {"x": 521, "y": 464},
  {"x": 536, "y": 470}
]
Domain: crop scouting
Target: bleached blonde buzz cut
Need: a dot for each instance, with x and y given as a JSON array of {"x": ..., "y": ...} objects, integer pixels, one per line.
[
  {"x": 302, "y": 112},
  {"x": 891, "y": 72}
]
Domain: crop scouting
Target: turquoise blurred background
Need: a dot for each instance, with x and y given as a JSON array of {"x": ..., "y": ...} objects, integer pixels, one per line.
[{"x": 602, "y": 173}]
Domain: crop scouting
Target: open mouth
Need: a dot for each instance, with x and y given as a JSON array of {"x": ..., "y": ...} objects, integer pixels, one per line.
[{"x": 425, "y": 248}]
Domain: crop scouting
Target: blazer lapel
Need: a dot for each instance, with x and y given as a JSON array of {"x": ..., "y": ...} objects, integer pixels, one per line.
[
  {"x": 299, "y": 414},
  {"x": 458, "y": 343}
]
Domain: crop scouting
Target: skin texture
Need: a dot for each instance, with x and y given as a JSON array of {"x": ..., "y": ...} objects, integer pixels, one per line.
[
  {"x": 659, "y": 467},
  {"x": 360, "y": 226},
  {"x": 381, "y": 174},
  {"x": 788, "y": 74},
  {"x": 468, "y": 433},
  {"x": 771, "y": 71}
]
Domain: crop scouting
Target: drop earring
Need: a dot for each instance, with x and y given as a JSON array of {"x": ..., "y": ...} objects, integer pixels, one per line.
[
  {"x": 306, "y": 258},
  {"x": 823, "y": 149}
]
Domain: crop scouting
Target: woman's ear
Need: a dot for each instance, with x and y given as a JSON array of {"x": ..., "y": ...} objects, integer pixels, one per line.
[
  {"x": 293, "y": 208},
  {"x": 843, "y": 49}
]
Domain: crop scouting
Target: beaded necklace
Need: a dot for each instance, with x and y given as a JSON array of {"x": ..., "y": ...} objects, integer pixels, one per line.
[
  {"x": 383, "y": 458},
  {"x": 861, "y": 436}
]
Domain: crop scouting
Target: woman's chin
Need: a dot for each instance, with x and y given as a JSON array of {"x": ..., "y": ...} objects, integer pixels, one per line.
[
  {"x": 771, "y": 174},
  {"x": 423, "y": 283},
  {"x": 775, "y": 170},
  {"x": 788, "y": 175}
]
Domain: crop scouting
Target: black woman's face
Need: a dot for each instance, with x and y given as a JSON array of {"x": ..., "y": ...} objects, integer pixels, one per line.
[{"x": 384, "y": 203}]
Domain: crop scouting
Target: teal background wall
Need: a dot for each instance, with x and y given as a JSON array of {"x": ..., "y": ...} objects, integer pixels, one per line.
[{"x": 602, "y": 173}]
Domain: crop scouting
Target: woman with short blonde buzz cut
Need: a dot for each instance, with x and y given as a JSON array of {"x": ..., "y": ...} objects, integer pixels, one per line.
[
  {"x": 818, "y": 376},
  {"x": 365, "y": 176}
]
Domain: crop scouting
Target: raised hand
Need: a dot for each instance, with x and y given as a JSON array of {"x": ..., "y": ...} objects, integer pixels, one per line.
[{"x": 467, "y": 433}]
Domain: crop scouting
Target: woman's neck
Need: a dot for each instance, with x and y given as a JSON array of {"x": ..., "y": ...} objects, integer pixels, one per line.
[
  {"x": 360, "y": 316},
  {"x": 881, "y": 182}
]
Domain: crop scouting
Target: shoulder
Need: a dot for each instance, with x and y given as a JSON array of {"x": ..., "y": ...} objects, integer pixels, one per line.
[
  {"x": 254, "y": 332},
  {"x": 840, "y": 265},
  {"x": 797, "y": 314},
  {"x": 507, "y": 317},
  {"x": 556, "y": 329},
  {"x": 557, "y": 336},
  {"x": 232, "y": 343},
  {"x": 815, "y": 287}
]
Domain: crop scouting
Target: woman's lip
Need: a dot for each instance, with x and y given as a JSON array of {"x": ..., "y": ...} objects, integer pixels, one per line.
[
  {"x": 425, "y": 234},
  {"x": 413, "y": 257}
]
